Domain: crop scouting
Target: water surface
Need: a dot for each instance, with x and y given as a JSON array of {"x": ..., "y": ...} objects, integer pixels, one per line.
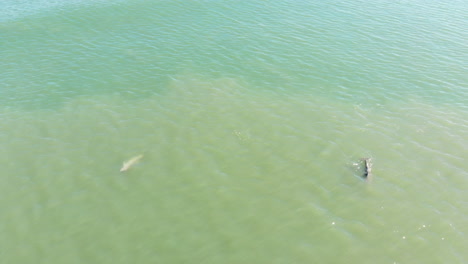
[{"x": 252, "y": 118}]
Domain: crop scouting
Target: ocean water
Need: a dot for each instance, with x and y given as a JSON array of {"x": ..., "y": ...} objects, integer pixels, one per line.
[{"x": 252, "y": 117}]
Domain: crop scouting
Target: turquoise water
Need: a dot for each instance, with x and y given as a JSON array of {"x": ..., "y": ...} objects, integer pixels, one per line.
[{"x": 252, "y": 118}]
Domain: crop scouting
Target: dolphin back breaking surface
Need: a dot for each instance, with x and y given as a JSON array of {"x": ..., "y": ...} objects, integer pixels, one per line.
[
  {"x": 129, "y": 163},
  {"x": 367, "y": 168}
]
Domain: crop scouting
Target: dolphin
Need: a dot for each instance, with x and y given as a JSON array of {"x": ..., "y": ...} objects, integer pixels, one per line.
[
  {"x": 129, "y": 163},
  {"x": 367, "y": 168}
]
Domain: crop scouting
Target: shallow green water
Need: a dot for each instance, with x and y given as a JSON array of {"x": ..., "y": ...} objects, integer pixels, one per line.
[{"x": 252, "y": 119}]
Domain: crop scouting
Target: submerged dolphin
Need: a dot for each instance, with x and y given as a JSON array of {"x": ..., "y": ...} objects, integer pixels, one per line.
[{"x": 129, "y": 163}]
